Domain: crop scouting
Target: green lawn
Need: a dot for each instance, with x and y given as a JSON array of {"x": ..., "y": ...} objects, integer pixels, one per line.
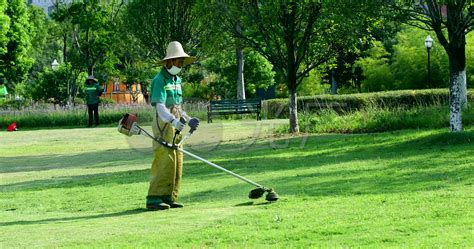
[{"x": 86, "y": 188}]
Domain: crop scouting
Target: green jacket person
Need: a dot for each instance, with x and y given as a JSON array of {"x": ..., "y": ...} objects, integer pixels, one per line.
[
  {"x": 93, "y": 93},
  {"x": 167, "y": 96}
]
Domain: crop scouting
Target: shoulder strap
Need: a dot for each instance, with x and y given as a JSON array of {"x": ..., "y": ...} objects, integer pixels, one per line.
[{"x": 162, "y": 131}]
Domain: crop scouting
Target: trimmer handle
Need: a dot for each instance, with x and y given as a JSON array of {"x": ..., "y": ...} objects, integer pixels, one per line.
[{"x": 182, "y": 120}]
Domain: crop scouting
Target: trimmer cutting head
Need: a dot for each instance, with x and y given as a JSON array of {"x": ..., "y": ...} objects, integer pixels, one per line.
[
  {"x": 258, "y": 192},
  {"x": 271, "y": 196}
]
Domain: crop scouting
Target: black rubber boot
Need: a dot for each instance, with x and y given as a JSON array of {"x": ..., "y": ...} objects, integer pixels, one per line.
[
  {"x": 156, "y": 203},
  {"x": 173, "y": 204}
]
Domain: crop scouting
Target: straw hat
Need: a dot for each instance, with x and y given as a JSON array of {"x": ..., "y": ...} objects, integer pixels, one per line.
[
  {"x": 91, "y": 77},
  {"x": 175, "y": 50}
]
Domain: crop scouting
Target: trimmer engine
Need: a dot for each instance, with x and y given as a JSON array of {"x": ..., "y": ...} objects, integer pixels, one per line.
[{"x": 128, "y": 125}]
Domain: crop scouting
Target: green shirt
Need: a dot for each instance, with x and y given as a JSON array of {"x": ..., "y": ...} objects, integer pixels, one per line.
[
  {"x": 93, "y": 91},
  {"x": 166, "y": 90}
]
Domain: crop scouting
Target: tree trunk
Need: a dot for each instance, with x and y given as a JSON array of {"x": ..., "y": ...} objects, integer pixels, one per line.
[
  {"x": 240, "y": 74},
  {"x": 457, "y": 70},
  {"x": 65, "y": 59},
  {"x": 90, "y": 69},
  {"x": 240, "y": 66},
  {"x": 455, "y": 99},
  {"x": 294, "y": 127},
  {"x": 293, "y": 107},
  {"x": 291, "y": 65},
  {"x": 458, "y": 87},
  {"x": 456, "y": 49},
  {"x": 333, "y": 82}
]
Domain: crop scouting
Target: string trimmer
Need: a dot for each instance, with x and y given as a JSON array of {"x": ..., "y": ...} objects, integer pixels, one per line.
[{"x": 128, "y": 126}]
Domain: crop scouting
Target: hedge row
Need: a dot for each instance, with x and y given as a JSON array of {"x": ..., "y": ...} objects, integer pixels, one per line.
[
  {"x": 278, "y": 108},
  {"x": 46, "y": 116},
  {"x": 70, "y": 118}
]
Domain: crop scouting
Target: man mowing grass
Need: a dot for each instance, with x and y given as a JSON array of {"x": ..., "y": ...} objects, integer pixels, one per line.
[{"x": 166, "y": 96}]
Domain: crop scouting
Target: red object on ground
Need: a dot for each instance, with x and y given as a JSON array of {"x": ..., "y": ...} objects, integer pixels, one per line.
[{"x": 12, "y": 127}]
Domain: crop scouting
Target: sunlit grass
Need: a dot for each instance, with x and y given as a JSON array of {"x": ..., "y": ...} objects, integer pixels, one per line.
[{"x": 86, "y": 188}]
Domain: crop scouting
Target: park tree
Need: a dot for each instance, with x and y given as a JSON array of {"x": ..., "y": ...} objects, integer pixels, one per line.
[
  {"x": 282, "y": 32},
  {"x": 451, "y": 20},
  {"x": 15, "y": 58},
  {"x": 376, "y": 70},
  {"x": 213, "y": 37},
  {"x": 4, "y": 27},
  {"x": 156, "y": 23},
  {"x": 382, "y": 28},
  {"x": 45, "y": 39},
  {"x": 259, "y": 75},
  {"x": 51, "y": 87},
  {"x": 93, "y": 29},
  {"x": 133, "y": 65},
  {"x": 45, "y": 48},
  {"x": 88, "y": 34},
  {"x": 295, "y": 36},
  {"x": 138, "y": 73}
]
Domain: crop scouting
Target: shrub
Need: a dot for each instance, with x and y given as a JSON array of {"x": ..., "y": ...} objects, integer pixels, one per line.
[
  {"x": 378, "y": 120},
  {"x": 107, "y": 101},
  {"x": 13, "y": 104},
  {"x": 76, "y": 117},
  {"x": 278, "y": 108},
  {"x": 43, "y": 115}
]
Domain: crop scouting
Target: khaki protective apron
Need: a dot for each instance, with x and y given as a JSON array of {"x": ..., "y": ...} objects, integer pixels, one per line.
[{"x": 167, "y": 166}]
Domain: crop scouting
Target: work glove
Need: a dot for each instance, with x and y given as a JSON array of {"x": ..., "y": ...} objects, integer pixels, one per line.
[
  {"x": 177, "y": 124},
  {"x": 193, "y": 123}
]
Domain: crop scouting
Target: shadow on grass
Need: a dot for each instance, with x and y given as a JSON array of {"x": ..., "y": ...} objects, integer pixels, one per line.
[
  {"x": 107, "y": 158},
  {"x": 414, "y": 164},
  {"x": 330, "y": 149},
  {"x": 349, "y": 183},
  {"x": 389, "y": 166},
  {"x": 65, "y": 219},
  {"x": 123, "y": 177},
  {"x": 244, "y": 204},
  {"x": 251, "y": 203}
]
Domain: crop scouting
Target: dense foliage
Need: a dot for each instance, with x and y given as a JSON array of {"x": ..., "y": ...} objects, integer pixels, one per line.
[
  {"x": 15, "y": 44},
  {"x": 221, "y": 74},
  {"x": 295, "y": 48}
]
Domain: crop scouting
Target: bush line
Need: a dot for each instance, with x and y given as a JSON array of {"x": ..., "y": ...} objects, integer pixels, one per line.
[{"x": 278, "y": 108}]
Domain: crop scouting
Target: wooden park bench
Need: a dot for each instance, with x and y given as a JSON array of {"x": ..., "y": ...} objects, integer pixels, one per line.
[{"x": 234, "y": 106}]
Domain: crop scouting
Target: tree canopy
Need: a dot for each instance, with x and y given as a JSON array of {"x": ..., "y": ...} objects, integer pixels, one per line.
[
  {"x": 298, "y": 47},
  {"x": 14, "y": 55},
  {"x": 156, "y": 23}
]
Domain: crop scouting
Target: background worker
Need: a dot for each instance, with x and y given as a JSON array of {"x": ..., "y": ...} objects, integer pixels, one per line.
[
  {"x": 166, "y": 96},
  {"x": 93, "y": 93}
]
